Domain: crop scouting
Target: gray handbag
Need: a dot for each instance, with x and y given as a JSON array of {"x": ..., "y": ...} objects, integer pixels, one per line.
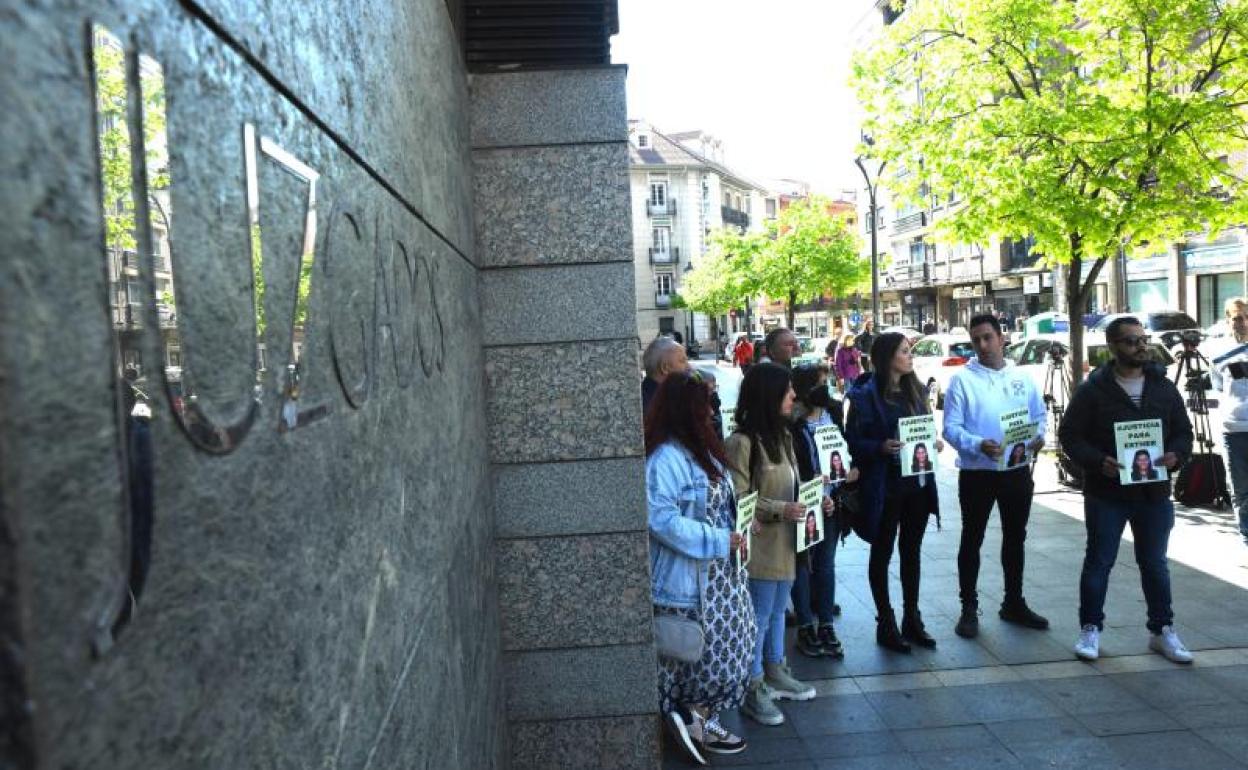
[{"x": 680, "y": 638}]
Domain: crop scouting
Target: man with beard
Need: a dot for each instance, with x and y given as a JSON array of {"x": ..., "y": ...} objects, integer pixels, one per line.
[{"x": 1129, "y": 388}]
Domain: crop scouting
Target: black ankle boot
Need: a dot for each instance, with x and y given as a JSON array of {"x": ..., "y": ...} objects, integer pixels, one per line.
[
  {"x": 887, "y": 635},
  {"x": 912, "y": 629}
]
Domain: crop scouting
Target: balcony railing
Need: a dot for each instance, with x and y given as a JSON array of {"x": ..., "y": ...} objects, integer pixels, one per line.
[
  {"x": 732, "y": 216},
  {"x": 910, "y": 222},
  {"x": 665, "y": 209},
  {"x": 910, "y": 273},
  {"x": 668, "y": 256},
  {"x": 662, "y": 300}
]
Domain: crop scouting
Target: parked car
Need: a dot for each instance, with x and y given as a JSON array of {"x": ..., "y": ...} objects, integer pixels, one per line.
[
  {"x": 813, "y": 350},
  {"x": 1165, "y": 325},
  {"x": 1034, "y": 355},
  {"x": 936, "y": 358},
  {"x": 911, "y": 334}
]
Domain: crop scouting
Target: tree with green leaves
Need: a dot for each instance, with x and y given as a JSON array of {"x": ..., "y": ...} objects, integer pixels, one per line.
[
  {"x": 722, "y": 279},
  {"x": 1091, "y": 125},
  {"x": 812, "y": 251}
]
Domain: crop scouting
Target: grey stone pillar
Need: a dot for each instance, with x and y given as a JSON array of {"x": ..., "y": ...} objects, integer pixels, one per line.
[{"x": 557, "y": 297}]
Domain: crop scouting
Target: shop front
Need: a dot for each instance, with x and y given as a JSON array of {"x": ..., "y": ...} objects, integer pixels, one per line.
[{"x": 1215, "y": 274}]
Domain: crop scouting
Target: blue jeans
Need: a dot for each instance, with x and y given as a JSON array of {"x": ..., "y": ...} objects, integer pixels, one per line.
[
  {"x": 769, "y": 597},
  {"x": 1236, "y": 446},
  {"x": 1150, "y": 525},
  {"x": 818, "y": 578}
]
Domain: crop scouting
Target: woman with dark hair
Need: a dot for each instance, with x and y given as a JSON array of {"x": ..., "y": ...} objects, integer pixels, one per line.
[
  {"x": 837, "y": 471},
  {"x": 893, "y": 507},
  {"x": 814, "y": 586},
  {"x": 692, "y": 523},
  {"x": 1142, "y": 467},
  {"x": 812, "y": 528},
  {"x": 760, "y": 455},
  {"x": 1018, "y": 455},
  {"x": 920, "y": 463}
]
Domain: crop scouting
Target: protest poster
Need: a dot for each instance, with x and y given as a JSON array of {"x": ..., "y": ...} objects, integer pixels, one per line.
[
  {"x": 918, "y": 444},
  {"x": 1140, "y": 446},
  {"x": 1017, "y": 431},
  {"x": 728, "y": 416},
  {"x": 745, "y": 520},
  {"x": 810, "y": 528},
  {"x": 833, "y": 453}
]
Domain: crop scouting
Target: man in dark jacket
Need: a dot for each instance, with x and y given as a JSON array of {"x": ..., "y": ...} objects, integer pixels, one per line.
[
  {"x": 1127, "y": 389},
  {"x": 863, "y": 342}
]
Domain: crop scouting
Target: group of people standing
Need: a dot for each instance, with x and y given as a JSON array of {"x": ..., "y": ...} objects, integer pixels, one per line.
[{"x": 694, "y": 480}]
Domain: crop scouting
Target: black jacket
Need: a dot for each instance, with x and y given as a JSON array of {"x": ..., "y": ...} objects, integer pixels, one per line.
[{"x": 1087, "y": 429}]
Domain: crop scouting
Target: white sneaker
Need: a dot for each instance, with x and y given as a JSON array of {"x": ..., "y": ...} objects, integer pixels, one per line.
[
  {"x": 687, "y": 735},
  {"x": 1089, "y": 645},
  {"x": 1170, "y": 645}
]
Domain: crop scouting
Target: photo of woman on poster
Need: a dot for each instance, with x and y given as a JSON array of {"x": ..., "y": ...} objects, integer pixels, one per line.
[
  {"x": 1018, "y": 455},
  {"x": 837, "y": 472},
  {"x": 921, "y": 462},
  {"x": 812, "y": 529},
  {"x": 1142, "y": 467}
]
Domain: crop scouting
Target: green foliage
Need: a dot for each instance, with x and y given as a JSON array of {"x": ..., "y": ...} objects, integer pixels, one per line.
[
  {"x": 1089, "y": 124},
  {"x": 812, "y": 252}
]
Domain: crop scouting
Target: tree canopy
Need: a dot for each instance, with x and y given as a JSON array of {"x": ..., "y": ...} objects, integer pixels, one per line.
[{"x": 1090, "y": 125}]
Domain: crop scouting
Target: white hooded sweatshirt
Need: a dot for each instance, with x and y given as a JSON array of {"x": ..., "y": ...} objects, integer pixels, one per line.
[{"x": 974, "y": 403}]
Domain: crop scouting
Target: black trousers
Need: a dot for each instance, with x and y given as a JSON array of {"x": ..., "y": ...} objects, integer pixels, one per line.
[
  {"x": 978, "y": 491},
  {"x": 904, "y": 521}
]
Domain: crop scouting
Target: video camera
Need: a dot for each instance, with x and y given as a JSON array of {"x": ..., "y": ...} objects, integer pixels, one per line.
[{"x": 1191, "y": 337}]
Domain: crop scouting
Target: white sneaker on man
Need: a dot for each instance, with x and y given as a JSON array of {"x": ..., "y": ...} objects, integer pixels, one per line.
[
  {"x": 1089, "y": 645},
  {"x": 1170, "y": 645}
]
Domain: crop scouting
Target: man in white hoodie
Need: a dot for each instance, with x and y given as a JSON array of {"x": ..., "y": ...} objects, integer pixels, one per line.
[
  {"x": 1228, "y": 358},
  {"x": 978, "y": 396}
]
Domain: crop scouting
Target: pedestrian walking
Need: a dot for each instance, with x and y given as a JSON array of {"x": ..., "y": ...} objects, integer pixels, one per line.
[
  {"x": 848, "y": 362},
  {"x": 743, "y": 352},
  {"x": 1228, "y": 374},
  {"x": 894, "y": 508},
  {"x": 662, "y": 357},
  {"x": 864, "y": 341},
  {"x": 1127, "y": 389},
  {"x": 979, "y": 394},
  {"x": 761, "y": 457},
  {"x": 814, "y": 587},
  {"x": 692, "y": 524},
  {"x": 834, "y": 342},
  {"x": 780, "y": 346}
]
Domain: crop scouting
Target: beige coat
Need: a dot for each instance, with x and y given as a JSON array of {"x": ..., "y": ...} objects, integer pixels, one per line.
[{"x": 774, "y": 549}]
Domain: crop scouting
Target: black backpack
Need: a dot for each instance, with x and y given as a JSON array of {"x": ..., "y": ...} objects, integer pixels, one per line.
[{"x": 1202, "y": 481}]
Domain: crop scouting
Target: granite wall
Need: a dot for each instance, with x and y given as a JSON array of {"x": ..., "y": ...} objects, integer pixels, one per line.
[
  {"x": 321, "y": 584},
  {"x": 554, "y": 247}
]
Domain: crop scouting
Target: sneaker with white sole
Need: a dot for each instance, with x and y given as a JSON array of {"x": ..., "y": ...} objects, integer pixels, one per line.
[
  {"x": 1170, "y": 645},
  {"x": 716, "y": 739},
  {"x": 685, "y": 732},
  {"x": 760, "y": 706},
  {"x": 784, "y": 686},
  {"x": 1089, "y": 645}
]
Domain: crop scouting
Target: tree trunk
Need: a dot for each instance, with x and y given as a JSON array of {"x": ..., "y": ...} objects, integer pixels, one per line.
[
  {"x": 791, "y": 309},
  {"x": 715, "y": 335},
  {"x": 1075, "y": 300}
]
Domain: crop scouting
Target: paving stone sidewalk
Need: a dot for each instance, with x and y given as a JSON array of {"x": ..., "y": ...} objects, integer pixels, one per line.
[{"x": 1015, "y": 697}]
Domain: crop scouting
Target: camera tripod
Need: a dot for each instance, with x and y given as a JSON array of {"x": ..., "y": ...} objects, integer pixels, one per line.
[
  {"x": 1056, "y": 396},
  {"x": 1192, "y": 376}
]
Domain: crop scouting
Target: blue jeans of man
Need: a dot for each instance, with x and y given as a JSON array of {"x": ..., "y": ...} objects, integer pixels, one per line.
[
  {"x": 1150, "y": 526},
  {"x": 814, "y": 590},
  {"x": 1236, "y": 446},
  {"x": 769, "y": 598}
]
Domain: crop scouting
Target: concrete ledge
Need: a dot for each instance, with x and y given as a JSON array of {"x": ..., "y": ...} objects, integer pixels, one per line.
[
  {"x": 548, "y": 107},
  {"x": 574, "y": 401},
  {"x": 534, "y": 500},
  {"x": 575, "y": 591},
  {"x": 586, "y": 682},
  {"x": 572, "y": 301},
  {"x": 618, "y": 743},
  {"x": 553, "y": 205}
]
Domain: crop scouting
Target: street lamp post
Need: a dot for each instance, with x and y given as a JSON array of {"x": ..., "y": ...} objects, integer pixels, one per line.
[{"x": 872, "y": 187}]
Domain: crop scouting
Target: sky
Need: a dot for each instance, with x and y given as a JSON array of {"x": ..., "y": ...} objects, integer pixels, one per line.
[{"x": 769, "y": 79}]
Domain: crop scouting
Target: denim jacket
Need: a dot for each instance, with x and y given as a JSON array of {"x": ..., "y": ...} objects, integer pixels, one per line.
[{"x": 682, "y": 541}]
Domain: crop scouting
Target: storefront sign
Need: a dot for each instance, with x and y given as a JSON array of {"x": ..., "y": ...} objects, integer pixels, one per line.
[
  {"x": 1006, "y": 282},
  {"x": 1215, "y": 258},
  {"x": 1031, "y": 284},
  {"x": 968, "y": 292}
]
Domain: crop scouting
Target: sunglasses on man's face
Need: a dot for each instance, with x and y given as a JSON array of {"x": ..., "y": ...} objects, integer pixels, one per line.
[{"x": 1135, "y": 342}]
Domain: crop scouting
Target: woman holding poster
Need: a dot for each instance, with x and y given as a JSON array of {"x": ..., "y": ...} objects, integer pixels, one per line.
[
  {"x": 920, "y": 463},
  {"x": 895, "y": 505},
  {"x": 760, "y": 455},
  {"x": 691, "y": 521},
  {"x": 817, "y": 413}
]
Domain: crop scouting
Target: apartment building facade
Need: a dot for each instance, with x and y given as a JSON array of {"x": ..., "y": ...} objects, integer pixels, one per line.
[{"x": 682, "y": 191}]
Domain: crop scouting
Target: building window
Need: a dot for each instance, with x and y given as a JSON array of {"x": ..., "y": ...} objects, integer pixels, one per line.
[
  {"x": 658, "y": 193},
  {"x": 643, "y": 140},
  {"x": 770, "y": 207},
  {"x": 1212, "y": 292},
  {"x": 917, "y": 252},
  {"x": 667, "y": 324},
  {"x": 663, "y": 284},
  {"x": 662, "y": 240}
]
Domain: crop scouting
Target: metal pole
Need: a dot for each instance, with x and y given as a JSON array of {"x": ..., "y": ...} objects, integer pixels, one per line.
[{"x": 875, "y": 224}]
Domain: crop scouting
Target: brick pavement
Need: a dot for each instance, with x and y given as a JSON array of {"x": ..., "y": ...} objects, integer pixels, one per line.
[{"x": 1018, "y": 698}]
